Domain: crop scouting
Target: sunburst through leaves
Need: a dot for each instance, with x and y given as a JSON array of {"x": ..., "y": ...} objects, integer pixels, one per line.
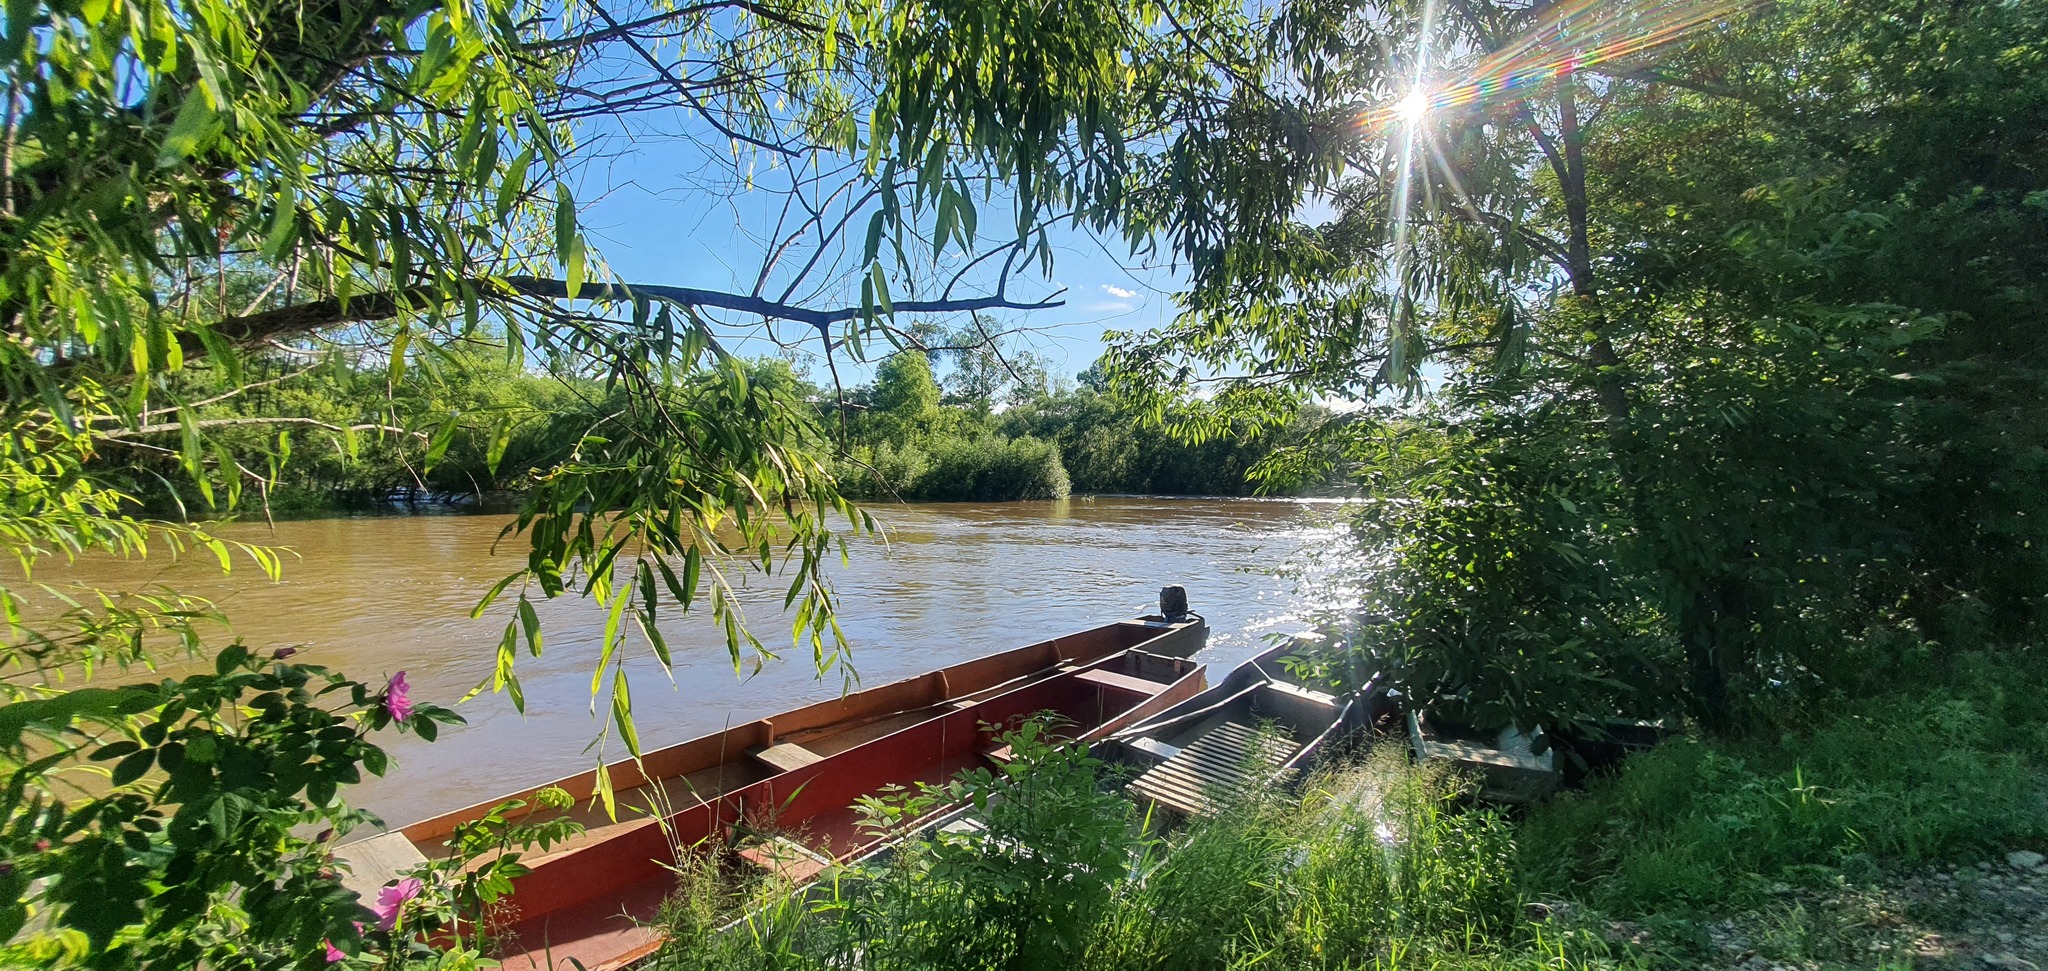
[{"x": 1569, "y": 38}]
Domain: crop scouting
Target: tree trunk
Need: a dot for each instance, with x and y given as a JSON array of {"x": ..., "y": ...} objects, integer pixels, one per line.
[
  {"x": 1608, "y": 384},
  {"x": 1715, "y": 651}
]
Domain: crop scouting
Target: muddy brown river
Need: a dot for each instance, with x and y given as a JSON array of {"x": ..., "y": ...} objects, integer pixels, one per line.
[{"x": 375, "y": 595}]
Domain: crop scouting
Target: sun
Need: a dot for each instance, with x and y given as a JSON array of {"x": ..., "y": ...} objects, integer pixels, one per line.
[{"x": 1412, "y": 108}]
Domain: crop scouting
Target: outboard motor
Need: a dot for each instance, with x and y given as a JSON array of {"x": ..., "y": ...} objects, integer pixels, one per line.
[{"x": 1173, "y": 602}]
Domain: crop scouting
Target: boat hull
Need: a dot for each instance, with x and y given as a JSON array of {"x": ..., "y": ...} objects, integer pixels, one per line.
[
  {"x": 1506, "y": 763},
  {"x": 800, "y": 773}
]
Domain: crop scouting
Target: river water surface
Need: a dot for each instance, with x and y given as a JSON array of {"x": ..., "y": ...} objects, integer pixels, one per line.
[{"x": 371, "y": 596}]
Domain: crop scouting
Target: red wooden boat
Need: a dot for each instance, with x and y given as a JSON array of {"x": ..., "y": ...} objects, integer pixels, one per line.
[{"x": 797, "y": 773}]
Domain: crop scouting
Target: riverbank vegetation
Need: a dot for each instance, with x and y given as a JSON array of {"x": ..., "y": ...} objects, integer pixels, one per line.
[
  {"x": 1820, "y": 846},
  {"x": 1688, "y": 356},
  {"x": 989, "y": 424},
  {"x": 961, "y": 417}
]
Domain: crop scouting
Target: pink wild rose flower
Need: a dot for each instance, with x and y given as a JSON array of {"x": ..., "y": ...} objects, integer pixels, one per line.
[
  {"x": 392, "y": 899},
  {"x": 395, "y": 700}
]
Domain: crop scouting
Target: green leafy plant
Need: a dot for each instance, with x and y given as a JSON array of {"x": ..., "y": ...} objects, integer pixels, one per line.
[
  {"x": 1020, "y": 887},
  {"x": 191, "y": 846},
  {"x": 1895, "y": 779},
  {"x": 483, "y": 860}
]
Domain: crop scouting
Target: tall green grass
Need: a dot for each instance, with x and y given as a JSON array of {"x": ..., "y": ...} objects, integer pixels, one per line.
[
  {"x": 1948, "y": 771},
  {"x": 1376, "y": 866}
]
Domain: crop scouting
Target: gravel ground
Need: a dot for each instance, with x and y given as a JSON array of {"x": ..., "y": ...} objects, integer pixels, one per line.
[{"x": 1992, "y": 916}]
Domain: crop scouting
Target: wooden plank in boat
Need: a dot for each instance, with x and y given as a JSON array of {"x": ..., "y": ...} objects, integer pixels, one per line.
[
  {"x": 1121, "y": 682},
  {"x": 1512, "y": 771},
  {"x": 1311, "y": 694},
  {"x": 786, "y": 858},
  {"x": 788, "y": 756},
  {"x": 376, "y": 861},
  {"x": 963, "y": 826},
  {"x": 1152, "y": 747}
]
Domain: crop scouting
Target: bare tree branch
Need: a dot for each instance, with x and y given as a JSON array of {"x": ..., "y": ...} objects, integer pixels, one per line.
[
  {"x": 614, "y": 30},
  {"x": 162, "y": 428}
]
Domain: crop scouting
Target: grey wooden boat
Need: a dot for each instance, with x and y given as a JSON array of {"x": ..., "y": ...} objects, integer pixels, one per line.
[{"x": 1258, "y": 727}]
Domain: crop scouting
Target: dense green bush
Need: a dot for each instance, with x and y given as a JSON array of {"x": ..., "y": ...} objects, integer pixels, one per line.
[
  {"x": 990, "y": 468},
  {"x": 1114, "y": 447},
  {"x": 883, "y": 471},
  {"x": 1498, "y": 585},
  {"x": 208, "y": 844},
  {"x": 982, "y": 468}
]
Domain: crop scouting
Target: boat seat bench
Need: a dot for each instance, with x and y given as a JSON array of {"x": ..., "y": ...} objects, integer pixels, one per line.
[{"x": 377, "y": 861}]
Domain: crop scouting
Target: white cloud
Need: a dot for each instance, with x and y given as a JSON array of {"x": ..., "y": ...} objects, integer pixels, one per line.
[{"x": 1119, "y": 292}]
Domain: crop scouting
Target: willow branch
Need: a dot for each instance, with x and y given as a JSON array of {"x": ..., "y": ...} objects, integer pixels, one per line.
[
  {"x": 162, "y": 428},
  {"x": 334, "y": 312},
  {"x": 216, "y": 399}
]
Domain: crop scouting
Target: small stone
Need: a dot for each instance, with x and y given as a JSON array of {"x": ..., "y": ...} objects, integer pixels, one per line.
[
  {"x": 1539, "y": 911},
  {"x": 2009, "y": 962},
  {"x": 2024, "y": 859}
]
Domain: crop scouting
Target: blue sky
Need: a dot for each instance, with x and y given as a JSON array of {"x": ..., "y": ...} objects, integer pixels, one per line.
[{"x": 653, "y": 220}]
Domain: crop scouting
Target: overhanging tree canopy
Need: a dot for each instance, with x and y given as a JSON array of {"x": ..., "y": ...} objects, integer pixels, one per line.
[{"x": 397, "y": 178}]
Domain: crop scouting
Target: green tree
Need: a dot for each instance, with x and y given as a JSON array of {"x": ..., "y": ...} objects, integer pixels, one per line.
[
  {"x": 189, "y": 187},
  {"x": 1715, "y": 320},
  {"x": 906, "y": 398},
  {"x": 985, "y": 369}
]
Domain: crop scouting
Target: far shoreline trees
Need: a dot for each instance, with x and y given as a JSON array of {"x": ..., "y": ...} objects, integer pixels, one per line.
[{"x": 968, "y": 421}]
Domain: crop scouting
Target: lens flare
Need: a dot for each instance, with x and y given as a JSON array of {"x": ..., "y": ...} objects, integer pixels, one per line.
[
  {"x": 1413, "y": 108},
  {"x": 1572, "y": 37}
]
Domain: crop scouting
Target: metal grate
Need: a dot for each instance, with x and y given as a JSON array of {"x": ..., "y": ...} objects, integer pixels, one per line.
[{"x": 1223, "y": 761}]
